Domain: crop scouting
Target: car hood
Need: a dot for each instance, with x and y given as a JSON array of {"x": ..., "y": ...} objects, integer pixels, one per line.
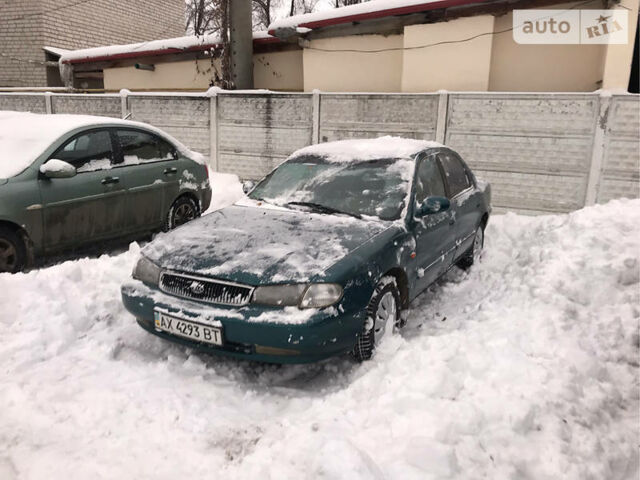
[{"x": 261, "y": 244}]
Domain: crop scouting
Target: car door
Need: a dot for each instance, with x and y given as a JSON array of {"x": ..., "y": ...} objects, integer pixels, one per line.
[
  {"x": 434, "y": 234},
  {"x": 89, "y": 206},
  {"x": 464, "y": 198},
  {"x": 150, "y": 171}
]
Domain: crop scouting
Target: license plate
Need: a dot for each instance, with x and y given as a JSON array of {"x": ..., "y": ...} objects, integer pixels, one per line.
[{"x": 188, "y": 329}]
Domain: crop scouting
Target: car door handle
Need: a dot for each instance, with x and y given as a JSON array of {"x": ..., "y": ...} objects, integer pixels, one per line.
[
  {"x": 170, "y": 170},
  {"x": 108, "y": 180}
]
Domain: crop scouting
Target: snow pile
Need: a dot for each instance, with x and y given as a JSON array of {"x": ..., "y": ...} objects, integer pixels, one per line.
[
  {"x": 25, "y": 136},
  {"x": 366, "y": 149},
  {"x": 226, "y": 190},
  {"x": 525, "y": 367}
]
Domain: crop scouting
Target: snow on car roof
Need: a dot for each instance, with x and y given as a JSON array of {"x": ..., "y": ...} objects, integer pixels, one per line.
[
  {"x": 24, "y": 136},
  {"x": 367, "y": 149}
]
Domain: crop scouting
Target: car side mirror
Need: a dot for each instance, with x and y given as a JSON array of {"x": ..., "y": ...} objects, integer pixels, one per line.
[
  {"x": 55, "y": 168},
  {"x": 248, "y": 185},
  {"x": 433, "y": 205}
]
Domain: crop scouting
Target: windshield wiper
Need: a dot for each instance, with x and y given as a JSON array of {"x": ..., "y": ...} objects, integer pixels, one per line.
[{"x": 318, "y": 207}]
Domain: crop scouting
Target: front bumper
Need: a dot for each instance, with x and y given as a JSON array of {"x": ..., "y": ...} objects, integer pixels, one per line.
[{"x": 324, "y": 333}]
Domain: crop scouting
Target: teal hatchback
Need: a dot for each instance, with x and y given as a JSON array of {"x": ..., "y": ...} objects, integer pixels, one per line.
[
  {"x": 71, "y": 181},
  {"x": 320, "y": 258}
]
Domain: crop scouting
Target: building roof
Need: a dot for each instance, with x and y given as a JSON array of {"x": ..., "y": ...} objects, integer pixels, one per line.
[
  {"x": 154, "y": 47},
  {"x": 56, "y": 51},
  {"x": 364, "y": 11}
]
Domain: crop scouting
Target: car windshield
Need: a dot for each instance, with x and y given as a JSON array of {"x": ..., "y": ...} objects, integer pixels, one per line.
[{"x": 376, "y": 188}]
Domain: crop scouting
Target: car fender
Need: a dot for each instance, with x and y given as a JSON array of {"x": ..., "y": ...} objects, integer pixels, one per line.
[
  {"x": 362, "y": 269},
  {"x": 20, "y": 205}
]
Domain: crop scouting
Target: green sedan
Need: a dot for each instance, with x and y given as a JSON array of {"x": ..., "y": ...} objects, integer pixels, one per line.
[
  {"x": 320, "y": 258},
  {"x": 69, "y": 181}
]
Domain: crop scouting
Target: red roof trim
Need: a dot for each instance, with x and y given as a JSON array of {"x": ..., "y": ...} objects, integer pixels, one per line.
[
  {"x": 359, "y": 17},
  {"x": 163, "y": 51}
]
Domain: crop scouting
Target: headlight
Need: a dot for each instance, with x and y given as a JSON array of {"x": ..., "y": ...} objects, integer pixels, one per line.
[
  {"x": 146, "y": 271},
  {"x": 317, "y": 295},
  {"x": 279, "y": 295},
  {"x": 320, "y": 295}
]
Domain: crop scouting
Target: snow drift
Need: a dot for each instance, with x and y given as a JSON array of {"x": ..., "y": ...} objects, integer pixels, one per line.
[{"x": 524, "y": 367}]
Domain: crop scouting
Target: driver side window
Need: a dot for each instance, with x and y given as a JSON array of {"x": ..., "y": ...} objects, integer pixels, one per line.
[
  {"x": 87, "y": 152},
  {"x": 428, "y": 180}
]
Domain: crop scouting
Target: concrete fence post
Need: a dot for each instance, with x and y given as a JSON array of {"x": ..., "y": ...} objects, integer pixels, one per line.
[
  {"x": 441, "y": 122},
  {"x": 124, "y": 103},
  {"x": 315, "y": 135},
  {"x": 48, "y": 104},
  {"x": 213, "y": 132},
  {"x": 597, "y": 150}
]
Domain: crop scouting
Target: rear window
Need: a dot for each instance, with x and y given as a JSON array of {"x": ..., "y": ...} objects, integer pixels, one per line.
[{"x": 142, "y": 147}]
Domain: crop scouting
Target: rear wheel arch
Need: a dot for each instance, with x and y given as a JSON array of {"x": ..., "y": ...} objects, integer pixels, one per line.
[
  {"x": 192, "y": 196},
  {"x": 188, "y": 198}
]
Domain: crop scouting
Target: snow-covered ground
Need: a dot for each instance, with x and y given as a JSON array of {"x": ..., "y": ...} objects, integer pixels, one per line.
[{"x": 526, "y": 367}]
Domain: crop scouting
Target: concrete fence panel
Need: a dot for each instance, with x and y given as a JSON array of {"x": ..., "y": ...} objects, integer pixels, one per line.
[
  {"x": 255, "y": 132},
  {"x": 620, "y": 176},
  {"x": 541, "y": 152},
  {"x": 101, "y": 105},
  {"x": 534, "y": 149},
  {"x": 344, "y": 116},
  {"x": 183, "y": 116},
  {"x": 34, "y": 103}
]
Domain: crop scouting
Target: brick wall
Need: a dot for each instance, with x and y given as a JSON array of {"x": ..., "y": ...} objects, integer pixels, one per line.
[
  {"x": 29, "y": 25},
  {"x": 21, "y": 38}
]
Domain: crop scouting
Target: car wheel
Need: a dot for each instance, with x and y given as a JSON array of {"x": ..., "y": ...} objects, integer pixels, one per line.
[
  {"x": 13, "y": 252},
  {"x": 183, "y": 210},
  {"x": 383, "y": 314},
  {"x": 473, "y": 254}
]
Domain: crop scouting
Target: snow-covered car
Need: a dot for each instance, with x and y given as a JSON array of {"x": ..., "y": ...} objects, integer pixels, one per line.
[
  {"x": 67, "y": 181},
  {"x": 320, "y": 258}
]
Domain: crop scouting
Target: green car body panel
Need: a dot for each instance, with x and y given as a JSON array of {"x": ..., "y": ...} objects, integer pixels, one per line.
[
  {"x": 229, "y": 245},
  {"x": 60, "y": 214}
]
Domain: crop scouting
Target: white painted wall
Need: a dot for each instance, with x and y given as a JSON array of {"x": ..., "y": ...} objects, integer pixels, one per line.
[
  {"x": 273, "y": 71},
  {"x": 451, "y": 66},
  {"x": 354, "y": 71}
]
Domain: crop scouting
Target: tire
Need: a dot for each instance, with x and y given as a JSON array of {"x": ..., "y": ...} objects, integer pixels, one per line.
[
  {"x": 385, "y": 298},
  {"x": 183, "y": 210},
  {"x": 13, "y": 251},
  {"x": 471, "y": 255}
]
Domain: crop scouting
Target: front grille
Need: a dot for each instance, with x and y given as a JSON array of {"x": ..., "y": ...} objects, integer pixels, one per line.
[{"x": 204, "y": 289}]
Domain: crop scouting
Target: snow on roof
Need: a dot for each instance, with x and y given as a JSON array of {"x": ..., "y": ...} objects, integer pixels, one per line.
[
  {"x": 56, "y": 51},
  {"x": 24, "y": 136},
  {"x": 364, "y": 11},
  {"x": 153, "y": 47},
  {"x": 367, "y": 149}
]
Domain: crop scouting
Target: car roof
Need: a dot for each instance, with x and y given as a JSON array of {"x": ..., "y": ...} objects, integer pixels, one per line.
[
  {"x": 367, "y": 149},
  {"x": 24, "y": 136}
]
